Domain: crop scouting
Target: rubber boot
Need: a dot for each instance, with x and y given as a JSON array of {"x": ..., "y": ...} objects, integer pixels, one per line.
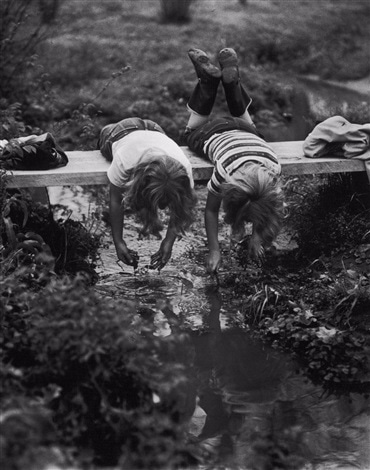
[
  {"x": 209, "y": 76},
  {"x": 203, "y": 97},
  {"x": 237, "y": 98}
]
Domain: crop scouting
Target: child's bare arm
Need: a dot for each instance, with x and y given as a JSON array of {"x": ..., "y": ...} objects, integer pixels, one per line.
[
  {"x": 116, "y": 208},
  {"x": 163, "y": 255},
  {"x": 211, "y": 221}
]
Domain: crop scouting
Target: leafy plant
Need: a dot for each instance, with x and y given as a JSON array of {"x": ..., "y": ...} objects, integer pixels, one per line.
[
  {"x": 329, "y": 355},
  {"x": 12, "y": 124},
  {"x": 30, "y": 236},
  {"x": 326, "y": 215},
  {"x": 263, "y": 297},
  {"x": 8, "y": 202},
  {"x": 353, "y": 290},
  {"x": 109, "y": 383},
  {"x": 315, "y": 312}
]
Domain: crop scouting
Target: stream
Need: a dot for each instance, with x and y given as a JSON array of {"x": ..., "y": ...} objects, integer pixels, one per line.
[
  {"x": 324, "y": 96},
  {"x": 321, "y": 99},
  {"x": 243, "y": 391}
]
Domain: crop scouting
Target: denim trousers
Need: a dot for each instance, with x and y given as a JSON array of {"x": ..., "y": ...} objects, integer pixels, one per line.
[
  {"x": 114, "y": 132},
  {"x": 196, "y": 138}
]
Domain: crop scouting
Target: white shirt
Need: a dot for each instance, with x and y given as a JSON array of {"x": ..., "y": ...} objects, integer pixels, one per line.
[{"x": 140, "y": 146}]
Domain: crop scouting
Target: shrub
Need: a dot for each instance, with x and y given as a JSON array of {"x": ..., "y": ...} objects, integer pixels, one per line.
[
  {"x": 31, "y": 236},
  {"x": 12, "y": 121},
  {"x": 316, "y": 316},
  {"x": 109, "y": 383},
  {"x": 326, "y": 215},
  {"x": 330, "y": 356}
]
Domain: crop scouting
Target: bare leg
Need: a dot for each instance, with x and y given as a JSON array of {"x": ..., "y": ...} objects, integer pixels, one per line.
[
  {"x": 195, "y": 120},
  {"x": 247, "y": 117}
]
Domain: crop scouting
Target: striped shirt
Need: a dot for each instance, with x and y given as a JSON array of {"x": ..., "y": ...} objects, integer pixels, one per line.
[{"x": 233, "y": 150}]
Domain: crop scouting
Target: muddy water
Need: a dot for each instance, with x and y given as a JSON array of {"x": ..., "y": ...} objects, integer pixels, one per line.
[{"x": 244, "y": 390}]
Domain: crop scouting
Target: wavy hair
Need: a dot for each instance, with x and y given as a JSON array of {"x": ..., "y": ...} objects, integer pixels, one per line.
[
  {"x": 255, "y": 197},
  {"x": 157, "y": 184}
]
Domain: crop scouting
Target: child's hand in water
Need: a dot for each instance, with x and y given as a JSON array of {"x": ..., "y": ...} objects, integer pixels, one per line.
[
  {"x": 257, "y": 254},
  {"x": 256, "y": 250},
  {"x": 213, "y": 261},
  {"x": 163, "y": 255},
  {"x": 127, "y": 256},
  {"x": 135, "y": 258}
]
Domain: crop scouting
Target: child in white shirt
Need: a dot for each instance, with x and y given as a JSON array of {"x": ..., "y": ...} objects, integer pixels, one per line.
[{"x": 149, "y": 172}]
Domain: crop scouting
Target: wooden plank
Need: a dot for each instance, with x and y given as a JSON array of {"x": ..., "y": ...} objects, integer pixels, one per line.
[
  {"x": 90, "y": 167},
  {"x": 83, "y": 168},
  {"x": 293, "y": 162}
]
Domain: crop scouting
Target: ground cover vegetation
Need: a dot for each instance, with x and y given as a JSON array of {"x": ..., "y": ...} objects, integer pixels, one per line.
[
  {"x": 84, "y": 381},
  {"x": 314, "y": 306}
]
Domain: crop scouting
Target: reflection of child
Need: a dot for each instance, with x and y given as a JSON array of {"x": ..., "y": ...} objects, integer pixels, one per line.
[
  {"x": 246, "y": 169},
  {"x": 152, "y": 173},
  {"x": 239, "y": 379}
]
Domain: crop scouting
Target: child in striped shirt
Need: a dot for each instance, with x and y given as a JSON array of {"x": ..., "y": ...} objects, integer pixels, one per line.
[{"x": 246, "y": 170}]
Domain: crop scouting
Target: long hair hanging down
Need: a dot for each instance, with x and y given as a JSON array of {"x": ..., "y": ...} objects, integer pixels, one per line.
[
  {"x": 161, "y": 182},
  {"x": 257, "y": 198}
]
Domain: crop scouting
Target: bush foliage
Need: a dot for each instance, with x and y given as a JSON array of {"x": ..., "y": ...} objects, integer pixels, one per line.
[
  {"x": 91, "y": 365},
  {"x": 31, "y": 236},
  {"x": 327, "y": 215}
]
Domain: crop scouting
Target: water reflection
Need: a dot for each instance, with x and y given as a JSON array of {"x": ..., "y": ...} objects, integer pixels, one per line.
[
  {"x": 246, "y": 407},
  {"x": 238, "y": 381},
  {"x": 259, "y": 412}
]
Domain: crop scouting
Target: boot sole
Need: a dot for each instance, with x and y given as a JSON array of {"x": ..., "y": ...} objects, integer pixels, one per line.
[{"x": 202, "y": 64}]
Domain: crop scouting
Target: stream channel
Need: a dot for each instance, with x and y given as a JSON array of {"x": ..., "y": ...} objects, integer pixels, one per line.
[{"x": 243, "y": 388}]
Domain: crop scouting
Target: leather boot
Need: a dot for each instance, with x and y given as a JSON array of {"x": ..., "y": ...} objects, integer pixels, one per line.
[{"x": 203, "y": 97}]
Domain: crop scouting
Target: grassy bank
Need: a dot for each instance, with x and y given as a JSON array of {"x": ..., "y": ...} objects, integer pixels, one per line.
[{"x": 84, "y": 60}]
